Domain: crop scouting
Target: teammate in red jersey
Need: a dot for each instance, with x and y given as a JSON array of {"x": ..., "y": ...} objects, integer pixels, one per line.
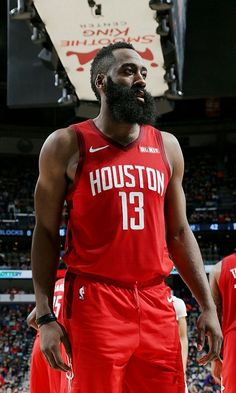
[
  {"x": 121, "y": 179},
  {"x": 42, "y": 377},
  {"x": 223, "y": 287}
]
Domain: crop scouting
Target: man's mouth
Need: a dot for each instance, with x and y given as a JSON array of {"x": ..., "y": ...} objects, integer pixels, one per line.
[{"x": 140, "y": 95}]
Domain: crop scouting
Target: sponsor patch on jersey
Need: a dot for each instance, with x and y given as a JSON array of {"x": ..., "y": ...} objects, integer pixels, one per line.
[{"x": 149, "y": 149}]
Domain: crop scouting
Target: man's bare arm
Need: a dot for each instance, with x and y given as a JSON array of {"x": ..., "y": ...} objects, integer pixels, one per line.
[
  {"x": 49, "y": 199},
  {"x": 185, "y": 252},
  {"x": 31, "y": 319},
  {"x": 214, "y": 276}
]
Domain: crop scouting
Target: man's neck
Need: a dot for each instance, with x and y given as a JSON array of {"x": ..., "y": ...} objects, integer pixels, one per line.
[{"x": 123, "y": 133}]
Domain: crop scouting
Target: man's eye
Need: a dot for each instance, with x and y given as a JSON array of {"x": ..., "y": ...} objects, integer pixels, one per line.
[{"x": 129, "y": 71}]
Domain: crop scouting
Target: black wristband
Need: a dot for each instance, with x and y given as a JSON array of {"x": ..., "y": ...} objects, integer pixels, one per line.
[{"x": 44, "y": 319}]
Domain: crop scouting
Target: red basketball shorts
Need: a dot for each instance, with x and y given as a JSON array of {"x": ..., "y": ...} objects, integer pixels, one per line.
[
  {"x": 229, "y": 361},
  {"x": 124, "y": 340}
]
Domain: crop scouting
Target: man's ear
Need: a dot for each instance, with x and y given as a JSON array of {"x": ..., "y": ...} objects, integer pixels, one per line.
[{"x": 100, "y": 81}]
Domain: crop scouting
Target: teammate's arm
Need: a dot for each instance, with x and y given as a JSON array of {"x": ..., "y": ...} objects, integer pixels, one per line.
[
  {"x": 185, "y": 252},
  {"x": 49, "y": 199},
  {"x": 214, "y": 276},
  {"x": 183, "y": 335},
  {"x": 31, "y": 319}
]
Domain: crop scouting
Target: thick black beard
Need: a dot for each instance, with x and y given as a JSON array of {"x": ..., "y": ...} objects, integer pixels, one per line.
[{"x": 125, "y": 107}]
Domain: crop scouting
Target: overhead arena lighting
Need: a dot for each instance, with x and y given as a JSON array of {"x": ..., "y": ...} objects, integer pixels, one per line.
[
  {"x": 97, "y": 7},
  {"x": 23, "y": 11},
  {"x": 38, "y": 36},
  {"x": 49, "y": 58},
  {"x": 160, "y": 5},
  {"x": 67, "y": 98},
  {"x": 171, "y": 20},
  {"x": 163, "y": 29}
]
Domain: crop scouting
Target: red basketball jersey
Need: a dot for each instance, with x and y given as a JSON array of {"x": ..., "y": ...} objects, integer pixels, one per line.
[
  {"x": 227, "y": 285},
  {"x": 116, "y": 225},
  {"x": 58, "y": 299}
]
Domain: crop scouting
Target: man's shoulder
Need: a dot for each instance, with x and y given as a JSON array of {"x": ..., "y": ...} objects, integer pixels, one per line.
[
  {"x": 216, "y": 271},
  {"x": 60, "y": 144},
  {"x": 61, "y": 137},
  {"x": 167, "y": 137},
  {"x": 68, "y": 133},
  {"x": 230, "y": 258},
  {"x": 82, "y": 126}
]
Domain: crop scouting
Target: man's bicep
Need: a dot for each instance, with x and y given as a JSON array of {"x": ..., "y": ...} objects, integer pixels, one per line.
[
  {"x": 49, "y": 199},
  {"x": 175, "y": 204},
  {"x": 51, "y": 187}
]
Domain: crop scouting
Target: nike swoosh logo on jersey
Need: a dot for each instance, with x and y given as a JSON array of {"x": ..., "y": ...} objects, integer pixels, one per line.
[
  {"x": 94, "y": 149},
  {"x": 170, "y": 299}
]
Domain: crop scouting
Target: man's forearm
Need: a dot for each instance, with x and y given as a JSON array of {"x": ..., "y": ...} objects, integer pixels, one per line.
[
  {"x": 45, "y": 254},
  {"x": 188, "y": 261}
]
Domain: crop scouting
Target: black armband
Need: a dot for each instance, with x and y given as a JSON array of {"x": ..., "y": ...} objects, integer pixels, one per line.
[{"x": 44, "y": 319}]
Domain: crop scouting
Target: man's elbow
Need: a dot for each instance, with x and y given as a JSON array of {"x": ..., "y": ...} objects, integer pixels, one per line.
[{"x": 178, "y": 235}]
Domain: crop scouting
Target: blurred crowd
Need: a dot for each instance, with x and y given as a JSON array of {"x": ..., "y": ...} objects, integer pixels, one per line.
[
  {"x": 210, "y": 186},
  {"x": 16, "y": 341}
]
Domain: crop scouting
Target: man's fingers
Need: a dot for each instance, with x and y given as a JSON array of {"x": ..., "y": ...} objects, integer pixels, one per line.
[
  {"x": 50, "y": 360},
  {"x": 50, "y": 346},
  {"x": 200, "y": 339},
  {"x": 55, "y": 361},
  {"x": 206, "y": 359},
  {"x": 59, "y": 362},
  {"x": 66, "y": 343},
  {"x": 217, "y": 380},
  {"x": 214, "y": 350}
]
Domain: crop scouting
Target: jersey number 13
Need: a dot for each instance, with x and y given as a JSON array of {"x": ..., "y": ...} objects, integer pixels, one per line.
[{"x": 132, "y": 198}]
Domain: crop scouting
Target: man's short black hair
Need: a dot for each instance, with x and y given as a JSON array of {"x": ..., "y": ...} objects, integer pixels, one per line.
[{"x": 103, "y": 61}]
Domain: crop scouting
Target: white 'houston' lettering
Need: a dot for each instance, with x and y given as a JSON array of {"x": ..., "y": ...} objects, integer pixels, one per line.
[
  {"x": 118, "y": 184},
  {"x": 160, "y": 182},
  {"x": 233, "y": 271},
  {"x": 128, "y": 176},
  {"x": 107, "y": 182}
]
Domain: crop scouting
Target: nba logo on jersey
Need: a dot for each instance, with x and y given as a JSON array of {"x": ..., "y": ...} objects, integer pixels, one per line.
[{"x": 81, "y": 293}]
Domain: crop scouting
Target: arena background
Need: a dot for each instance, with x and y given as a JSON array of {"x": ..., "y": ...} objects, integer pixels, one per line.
[{"x": 203, "y": 119}]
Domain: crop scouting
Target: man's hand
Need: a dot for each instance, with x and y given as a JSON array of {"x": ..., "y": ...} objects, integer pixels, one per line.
[
  {"x": 216, "y": 370},
  {"x": 51, "y": 335},
  {"x": 208, "y": 325}
]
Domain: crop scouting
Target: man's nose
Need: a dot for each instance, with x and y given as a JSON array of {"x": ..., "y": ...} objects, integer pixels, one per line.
[{"x": 139, "y": 80}]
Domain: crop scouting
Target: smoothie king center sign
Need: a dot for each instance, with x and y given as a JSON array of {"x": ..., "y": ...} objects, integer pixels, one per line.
[{"x": 78, "y": 34}]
